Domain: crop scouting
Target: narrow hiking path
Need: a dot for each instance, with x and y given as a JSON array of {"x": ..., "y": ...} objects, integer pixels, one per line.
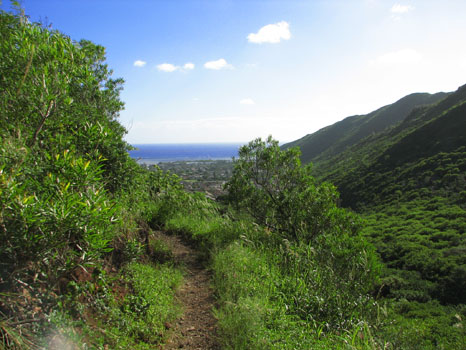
[{"x": 196, "y": 328}]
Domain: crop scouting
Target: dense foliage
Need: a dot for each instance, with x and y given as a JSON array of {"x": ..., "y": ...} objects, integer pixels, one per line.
[
  {"x": 411, "y": 190},
  {"x": 325, "y": 267},
  {"x": 407, "y": 181},
  {"x": 62, "y": 149},
  {"x": 68, "y": 221},
  {"x": 282, "y": 195}
]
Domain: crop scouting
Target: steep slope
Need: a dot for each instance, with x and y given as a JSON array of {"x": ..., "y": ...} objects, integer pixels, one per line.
[
  {"x": 443, "y": 137},
  {"x": 407, "y": 180},
  {"x": 335, "y": 138},
  {"x": 425, "y": 132}
]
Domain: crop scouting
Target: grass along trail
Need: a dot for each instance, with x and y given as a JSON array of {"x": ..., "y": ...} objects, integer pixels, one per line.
[{"x": 196, "y": 328}]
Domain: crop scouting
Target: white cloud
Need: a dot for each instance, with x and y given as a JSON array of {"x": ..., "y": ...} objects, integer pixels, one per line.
[
  {"x": 271, "y": 33},
  {"x": 247, "y": 101},
  {"x": 188, "y": 66},
  {"x": 218, "y": 64},
  {"x": 406, "y": 56},
  {"x": 167, "y": 67},
  {"x": 139, "y": 63},
  {"x": 400, "y": 9}
]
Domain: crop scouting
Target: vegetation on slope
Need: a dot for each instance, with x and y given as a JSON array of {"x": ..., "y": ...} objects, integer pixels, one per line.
[
  {"x": 81, "y": 267},
  {"x": 288, "y": 285},
  {"x": 408, "y": 183},
  {"x": 415, "y": 181},
  {"x": 74, "y": 207},
  {"x": 335, "y": 138},
  {"x": 303, "y": 282}
]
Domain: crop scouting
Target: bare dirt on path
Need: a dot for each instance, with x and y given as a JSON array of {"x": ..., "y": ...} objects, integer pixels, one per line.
[{"x": 196, "y": 328}]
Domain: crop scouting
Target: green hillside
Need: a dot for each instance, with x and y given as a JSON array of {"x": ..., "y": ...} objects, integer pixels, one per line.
[
  {"x": 425, "y": 132},
  {"x": 335, "y": 138},
  {"x": 443, "y": 137},
  {"x": 408, "y": 182}
]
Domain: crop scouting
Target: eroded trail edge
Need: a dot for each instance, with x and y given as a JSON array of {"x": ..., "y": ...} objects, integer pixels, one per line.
[{"x": 196, "y": 328}]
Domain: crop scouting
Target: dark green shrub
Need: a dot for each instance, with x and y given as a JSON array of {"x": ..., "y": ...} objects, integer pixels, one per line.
[{"x": 59, "y": 219}]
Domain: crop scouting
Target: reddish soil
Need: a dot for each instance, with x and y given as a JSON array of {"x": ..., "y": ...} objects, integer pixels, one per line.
[{"x": 196, "y": 328}]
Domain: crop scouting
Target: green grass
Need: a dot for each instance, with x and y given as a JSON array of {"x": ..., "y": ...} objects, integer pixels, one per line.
[
  {"x": 277, "y": 295},
  {"x": 256, "y": 313},
  {"x": 252, "y": 314},
  {"x": 129, "y": 311},
  {"x": 252, "y": 282}
]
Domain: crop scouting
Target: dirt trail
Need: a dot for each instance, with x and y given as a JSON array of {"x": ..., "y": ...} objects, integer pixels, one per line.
[{"x": 196, "y": 328}]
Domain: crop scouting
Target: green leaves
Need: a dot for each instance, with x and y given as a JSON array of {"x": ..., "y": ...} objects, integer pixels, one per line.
[
  {"x": 69, "y": 192},
  {"x": 63, "y": 155},
  {"x": 328, "y": 268},
  {"x": 279, "y": 193},
  {"x": 60, "y": 215},
  {"x": 50, "y": 86}
]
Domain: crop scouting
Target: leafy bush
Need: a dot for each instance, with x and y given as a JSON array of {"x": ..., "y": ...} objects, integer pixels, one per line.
[
  {"x": 277, "y": 192},
  {"x": 70, "y": 194},
  {"x": 59, "y": 218},
  {"x": 307, "y": 269},
  {"x": 56, "y": 94}
]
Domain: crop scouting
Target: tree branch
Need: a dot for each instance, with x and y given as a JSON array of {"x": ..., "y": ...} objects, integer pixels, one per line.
[{"x": 44, "y": 118}]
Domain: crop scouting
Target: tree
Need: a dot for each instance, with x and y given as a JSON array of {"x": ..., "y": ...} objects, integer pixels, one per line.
[
  {"x": 57, "y": 94},
  {"x": 273, "y": 187},
  {"x": 331, "y": 268},
  {"x": 62, "y": 154}
]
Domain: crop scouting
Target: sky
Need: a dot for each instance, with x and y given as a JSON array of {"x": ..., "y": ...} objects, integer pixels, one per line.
[{"x": 201, "y": 71}]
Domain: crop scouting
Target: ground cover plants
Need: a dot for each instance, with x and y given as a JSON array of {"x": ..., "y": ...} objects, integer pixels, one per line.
[{"x": 283, "y": 289}]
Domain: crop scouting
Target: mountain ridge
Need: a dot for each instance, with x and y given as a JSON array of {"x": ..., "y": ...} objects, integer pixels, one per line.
[{"x": 334, "y": 138}]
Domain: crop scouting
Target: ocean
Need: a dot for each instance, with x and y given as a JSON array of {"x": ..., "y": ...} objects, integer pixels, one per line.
[{"x": 156, "y": 153}]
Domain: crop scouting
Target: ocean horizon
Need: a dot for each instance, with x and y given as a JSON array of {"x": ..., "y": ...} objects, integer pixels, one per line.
[{"x": 157, "y": 153}]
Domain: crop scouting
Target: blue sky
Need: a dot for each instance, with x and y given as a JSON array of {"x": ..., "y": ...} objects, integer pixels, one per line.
[{"x": 234, "y": 70}]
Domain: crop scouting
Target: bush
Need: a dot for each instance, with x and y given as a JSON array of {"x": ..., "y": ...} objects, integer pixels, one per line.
[{"x": 57, "y": 215}]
